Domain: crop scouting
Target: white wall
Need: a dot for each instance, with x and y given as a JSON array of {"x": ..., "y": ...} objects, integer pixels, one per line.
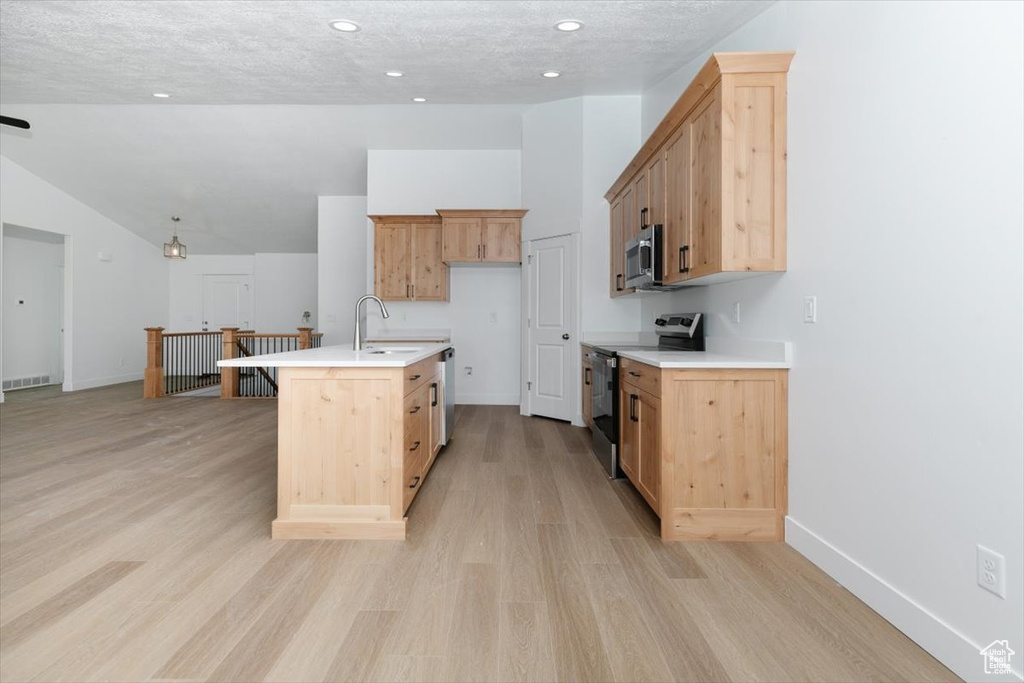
[
  {"x": 109, "y": 302},
  {"x": 553, "y": 168},
  {"x": 483, "y": 314},
  {"x": 285, "y": 286},
  {"x": 905, "y": 220},
  {"x": 186, "y": 286},
  {"x": 33, "y": 284},
  {"x": 341, "y": 264}
]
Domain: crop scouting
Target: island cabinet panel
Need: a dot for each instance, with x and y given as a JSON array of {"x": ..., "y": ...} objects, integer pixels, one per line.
[{"x": 354, "y": 448}]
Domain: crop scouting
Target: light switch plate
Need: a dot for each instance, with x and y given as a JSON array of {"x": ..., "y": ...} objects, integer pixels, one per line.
[{"x": 810, "y": 309}]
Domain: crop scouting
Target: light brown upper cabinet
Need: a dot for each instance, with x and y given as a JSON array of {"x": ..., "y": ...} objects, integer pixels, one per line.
[
  {"x": 407, "y": 264},
  {"x": 481, "y": 236},
  {"x": 621, "y": 228},
  {"x": 713, "y": 173}
]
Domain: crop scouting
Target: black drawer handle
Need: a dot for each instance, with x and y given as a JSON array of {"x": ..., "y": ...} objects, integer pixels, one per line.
[
  {"x": 414, "y": 410},
  {"x": 635, "y": 374},
  {"x": 433, "y": 394},
  {"x": 415, "y": 482},
  {"x": 415, "y": 446},
  {"x": 683, "y": 252},
  {"x": 414, "y": 378}
]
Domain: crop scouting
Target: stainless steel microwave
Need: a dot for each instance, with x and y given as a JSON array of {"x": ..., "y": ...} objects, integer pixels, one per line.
[{"x": 644, "y": 258}]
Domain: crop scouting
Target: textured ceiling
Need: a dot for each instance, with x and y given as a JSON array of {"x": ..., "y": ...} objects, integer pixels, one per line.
[
  {"x": 273, "y": 52},
  {"x": 270, "y": 121}
]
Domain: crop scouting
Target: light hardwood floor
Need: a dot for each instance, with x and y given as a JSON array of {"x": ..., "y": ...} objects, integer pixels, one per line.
[{"x": 120, "y": 561}]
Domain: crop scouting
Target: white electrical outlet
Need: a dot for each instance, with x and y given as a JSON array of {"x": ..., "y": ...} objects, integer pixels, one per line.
[
  {"x": 992, "y": 571},
  {"x": 810, "y": 309},
  {"x": 735, "y": 311},
  {"x": 469, "y": 370}
]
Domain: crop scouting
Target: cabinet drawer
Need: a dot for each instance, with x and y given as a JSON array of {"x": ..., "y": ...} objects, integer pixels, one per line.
[
  {"x": 644, "y": 377},
  {"x": 418, "y": 374}
]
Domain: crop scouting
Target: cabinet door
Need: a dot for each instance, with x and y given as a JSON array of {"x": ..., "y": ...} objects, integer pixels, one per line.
[
  {"x": 656, "y": 189},
  {"x": 615, "y": 248},
  {"x": 705, "y": 127},
  {"x": 588, "y": 393},
  {"x": 392, "y": 261},
  {"x": 676, "y": 232},
  {"x": 619, "y": 230},
  {"x": 649, "y": 439},
  {"x": 629, "y": 432},
  {"x": 461, "y": 238},
  {"x": 640, "y": 206},
  {"x": 429, "y": 273},
  {"x": 501, "y": 240}
]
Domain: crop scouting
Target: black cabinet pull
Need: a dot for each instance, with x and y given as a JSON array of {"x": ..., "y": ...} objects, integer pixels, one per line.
[
  {"x": 586, "y": 376},
  {"x": 415, "y": 482},
  {"x": 414, "y": 378},
  {"x": 683, "y": 251},
  {"x": 617, "y": 287},
  {"x": 433, "y": 394},
  {"x": 634, "y": 374},
  {"x": 632, "y": 407},
  {"x": 415, "y": 446},
  {"x": 414, "y": 410},
  {"x": 643, "y": 218}
]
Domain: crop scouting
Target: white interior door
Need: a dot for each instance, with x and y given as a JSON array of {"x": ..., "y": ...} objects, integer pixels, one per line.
[
  {"x": 552, "y": 327},
  {"x": 227, "y": 301}
]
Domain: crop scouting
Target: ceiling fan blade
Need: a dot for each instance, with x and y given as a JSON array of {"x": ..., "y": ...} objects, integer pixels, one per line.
[{"x": 17, "y": 123}]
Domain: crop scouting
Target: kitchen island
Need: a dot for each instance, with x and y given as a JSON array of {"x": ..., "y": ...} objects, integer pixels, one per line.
[{"x": 357, "y": 434}]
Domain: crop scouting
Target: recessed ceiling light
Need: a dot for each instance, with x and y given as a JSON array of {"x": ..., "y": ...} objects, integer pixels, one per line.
[
  {"x": 161, "y": 95},
  {"x": 569, "y": 25},
  {"x": 419, "y": 99},
  {"x": 394, "y": 74},
  {"x": 344, "y": 25},
  {"x": 551, "y": 74}
]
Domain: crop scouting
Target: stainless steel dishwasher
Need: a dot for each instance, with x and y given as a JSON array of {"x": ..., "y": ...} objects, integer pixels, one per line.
[{"x": 449, "y": 396}]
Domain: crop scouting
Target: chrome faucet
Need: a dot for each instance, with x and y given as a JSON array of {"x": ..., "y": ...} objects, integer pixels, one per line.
[{"x": 357, "y": 341}]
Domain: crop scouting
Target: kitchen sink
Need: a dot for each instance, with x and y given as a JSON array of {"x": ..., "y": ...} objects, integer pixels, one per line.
[{"x": 394, "y": 349}]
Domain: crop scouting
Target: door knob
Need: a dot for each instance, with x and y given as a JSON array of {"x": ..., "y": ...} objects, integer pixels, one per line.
[{"x": 565, "y": 336}]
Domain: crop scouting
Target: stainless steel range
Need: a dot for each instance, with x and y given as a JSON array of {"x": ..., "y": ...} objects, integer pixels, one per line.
[{"x": 676, "y": 332}]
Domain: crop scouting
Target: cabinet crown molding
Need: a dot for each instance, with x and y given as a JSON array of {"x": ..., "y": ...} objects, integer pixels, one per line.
[
  {"x": 482, "y": 213},
  {"x": 719, "y": 64},
  {"x": 399, "y": 218}
]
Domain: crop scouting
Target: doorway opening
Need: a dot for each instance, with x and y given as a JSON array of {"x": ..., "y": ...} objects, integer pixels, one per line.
[{"x": 33, "y": 307}]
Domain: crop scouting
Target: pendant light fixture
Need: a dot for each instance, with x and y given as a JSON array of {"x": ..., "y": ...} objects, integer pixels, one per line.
[{"x": 174, "y": 248}]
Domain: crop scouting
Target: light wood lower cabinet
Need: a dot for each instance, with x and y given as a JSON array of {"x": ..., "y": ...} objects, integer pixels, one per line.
[
  {"x": 707, "y": 449},
  {"x": 354, "y": 448}
]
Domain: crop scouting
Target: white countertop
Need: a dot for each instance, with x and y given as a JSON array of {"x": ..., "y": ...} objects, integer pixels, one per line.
[
  {"x": 339, "y": 357},
  {"x": 701, "y": 359},
  {"x": 722, "y": 352}
]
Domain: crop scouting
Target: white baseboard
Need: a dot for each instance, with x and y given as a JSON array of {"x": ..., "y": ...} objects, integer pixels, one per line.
[
  {"x": 101, "y": 381},
  {"x": 487, "y": 399},
  {"x": 937, "y": 637}
]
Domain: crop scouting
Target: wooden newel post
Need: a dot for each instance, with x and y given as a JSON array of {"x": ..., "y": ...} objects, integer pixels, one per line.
[
  {"x": 305, "y": 338},
  {"x": 153, "y": 379},
  {"x": 229, "y": 376}
]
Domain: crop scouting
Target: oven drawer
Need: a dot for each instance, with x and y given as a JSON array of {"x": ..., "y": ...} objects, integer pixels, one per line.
[{"x": 644, "y": 377}]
